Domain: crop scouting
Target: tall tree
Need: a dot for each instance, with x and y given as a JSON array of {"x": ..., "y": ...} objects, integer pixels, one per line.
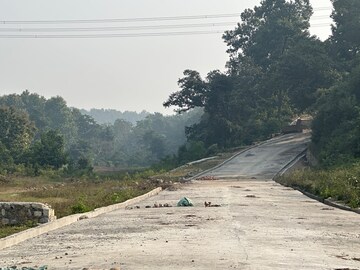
[
  {"x": 60, "y": 118},
  {"x": 336, "y": 128},
  {"x": 16, "y": 131},
  {"x": 345, "y": 37},
  {"x": 34, "y": 105},
  {"x": 50, "y": 150},
  {"x": 193, "y": 92},
  {"x": 269, "y": 30},
  {"x": 274, "y": 71}
]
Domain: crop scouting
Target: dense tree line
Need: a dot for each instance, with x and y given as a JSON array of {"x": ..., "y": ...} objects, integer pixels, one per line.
[
  {"x": 109, "y": 116},
  {"x": 45, "y": 133},
  {"x": 277, "y": 71}
]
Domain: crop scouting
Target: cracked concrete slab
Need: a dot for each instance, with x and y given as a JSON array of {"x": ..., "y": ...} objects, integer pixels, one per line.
[{"x": 274, "y": 228}]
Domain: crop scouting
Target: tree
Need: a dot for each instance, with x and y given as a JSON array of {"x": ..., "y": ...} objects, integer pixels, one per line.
[
  {"x": 86, "y": 126},
  {"x": 300, "y": 72},
  {"x": 336, "y": 128},
  {"x": 192, "y": 150},
  {"x": 192, "y": 94},
  {"x": 345, "y": 37},
  {"x": 16, "y": 132},
  {"x": 60, "y": 118},
  {"x": 34, "y": 105},
  {"x": 266, "y": 82},
  {"x": 49, "y": 151},
  {"x": 80, "y": 156},
  {"x": 269, "y": 30},
  {"x": 156, "y": 143},
  {"x": 214, "y": 94}
]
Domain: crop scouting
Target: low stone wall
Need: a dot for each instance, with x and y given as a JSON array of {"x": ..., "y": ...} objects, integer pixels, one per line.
[{"x": 17, "y": 213}]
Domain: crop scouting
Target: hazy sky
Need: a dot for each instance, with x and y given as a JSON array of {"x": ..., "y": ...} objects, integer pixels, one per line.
[{"x": 120, "y": 73}]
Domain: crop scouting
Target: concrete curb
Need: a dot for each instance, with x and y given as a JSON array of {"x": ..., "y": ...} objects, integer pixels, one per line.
[
  {"x": 45, "y": 228},
  {"x": 290, "y": 164},
  {"x": 327, "y": 201},
  {"x": 308, "y": 194}
]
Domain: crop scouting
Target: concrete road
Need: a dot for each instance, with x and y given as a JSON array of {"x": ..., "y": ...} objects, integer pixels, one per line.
[
  {"x": 260, "y": 225},
  {"x": 265, "y": 160}
]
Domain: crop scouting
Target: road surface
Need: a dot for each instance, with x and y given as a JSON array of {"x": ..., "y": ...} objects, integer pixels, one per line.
[
  {"x": 265, "y": 160},
  {"x": 260, "y": 225}
]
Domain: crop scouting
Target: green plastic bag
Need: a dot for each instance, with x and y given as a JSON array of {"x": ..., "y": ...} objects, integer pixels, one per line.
[{"x": 185, "y": 202}]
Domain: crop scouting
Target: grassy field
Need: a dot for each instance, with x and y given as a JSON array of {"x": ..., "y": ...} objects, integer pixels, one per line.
[
  {"x": 8, "y": 230},
  {"x": 71, "y": 196},
  {"x": 339, "y": 184},
  {"x": 79, "y": 195}
]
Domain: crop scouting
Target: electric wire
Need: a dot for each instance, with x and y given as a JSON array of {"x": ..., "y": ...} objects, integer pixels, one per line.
[
  {"x": 139, "y": 19},
  {"x": 115, "y": 31},
  {"x": 121, "y": 28},
  {"x": 155, "y": 34},
  {"x": 124, "y": 35},
  {"x": 144, "y": 19},
  {"x": 117, "y": 28}
]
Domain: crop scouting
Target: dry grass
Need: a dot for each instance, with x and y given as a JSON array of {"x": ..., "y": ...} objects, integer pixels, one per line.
[
  {"x": 9, "y": 230},
  {"x": 73, "y": 196},
  {"x": 339, "y": 184},
  {"x": 69, "y": 196}
]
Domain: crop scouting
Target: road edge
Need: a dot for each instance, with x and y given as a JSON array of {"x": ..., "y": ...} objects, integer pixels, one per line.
[
  {"x": 306, "y": 193},
  {"x": 17, "y": 238}
]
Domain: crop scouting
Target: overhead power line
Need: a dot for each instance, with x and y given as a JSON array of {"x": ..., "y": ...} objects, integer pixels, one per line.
[
  {"x": 124, "y": 35},
  {"x": 322, "y": 8},
  {"x": 147, "y": 19},
  {"x": 140, "y": 19},
  {"x": 320, "y": 25},
  {"x": 186, "y": 33},
  {"x": 129, "y": 28},
  {"x": 115, "y": 30},
  {"x": 320, "y": 17},
  {"x": 118, "y": 28}
]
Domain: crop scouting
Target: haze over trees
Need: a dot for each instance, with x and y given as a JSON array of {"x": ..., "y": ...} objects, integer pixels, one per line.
[
  {"x": 46, "y": 133},
  {"x": 109, "y": 116}
]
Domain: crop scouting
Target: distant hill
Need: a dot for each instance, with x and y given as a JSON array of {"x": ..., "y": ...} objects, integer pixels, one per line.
[{"x": 109, "y": 116}]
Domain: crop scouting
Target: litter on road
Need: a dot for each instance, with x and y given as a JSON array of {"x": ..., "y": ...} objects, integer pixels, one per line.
[
  {"x": 208, "y": 204},
  {"x": 184, "y": 202}
]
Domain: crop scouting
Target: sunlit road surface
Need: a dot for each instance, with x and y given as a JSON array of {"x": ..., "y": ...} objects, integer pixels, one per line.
[
  {"x": 260, "y": 225},
  {"x": 265, "y": 160}
]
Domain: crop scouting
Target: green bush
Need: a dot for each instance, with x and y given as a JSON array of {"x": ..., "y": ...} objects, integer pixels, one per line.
[
  {"x": 342, "y": 184},
  {"x": 80, "y": 207}
]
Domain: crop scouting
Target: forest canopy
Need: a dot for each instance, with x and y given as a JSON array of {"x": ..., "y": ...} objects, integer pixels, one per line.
[{"x": 46, "y": 133}]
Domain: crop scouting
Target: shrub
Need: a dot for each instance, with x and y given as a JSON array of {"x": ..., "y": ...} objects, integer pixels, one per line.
[{"x": 341, "y": 184}]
